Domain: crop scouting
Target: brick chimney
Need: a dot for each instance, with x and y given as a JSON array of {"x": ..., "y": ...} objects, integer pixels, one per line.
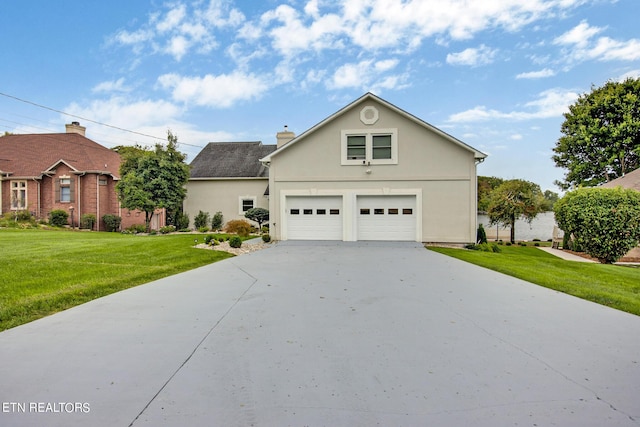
[
  {"x": 74, "y": 127},
  {"x": 284, "y": 136}
]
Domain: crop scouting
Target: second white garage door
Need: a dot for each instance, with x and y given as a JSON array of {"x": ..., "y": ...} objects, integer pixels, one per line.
[
  {"x": 386, "y": 218},
  {"x": 314, "y": 217}
]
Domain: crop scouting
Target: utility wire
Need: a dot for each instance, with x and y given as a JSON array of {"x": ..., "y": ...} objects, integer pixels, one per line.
[{"x": 88, "y": 120}]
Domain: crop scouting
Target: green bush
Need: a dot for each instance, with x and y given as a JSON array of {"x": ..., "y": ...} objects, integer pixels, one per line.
[
  {"x": 136, "y": 229},
  {"x": 235, "y": 242},
  {"x": 216, "y": 221},
  {"x": 266, "y": 238},
  {"x": 481, "y": 236},
  {"x": 182, "y": 221},
  {"x": 23, "y": 216},
  {"x": 240, "y": 227},
  {"x": 208, "y": 239},
  {"x": 201, "y": 220},
  {"x": 604, "y": 222},
  {"x": 111, "y": 222},
  {"x": 167, "y": 229},
  {"x": 484, "y": 247},
  {"x": 88, "y": 221},
  {"x": 58, "y": 218}
]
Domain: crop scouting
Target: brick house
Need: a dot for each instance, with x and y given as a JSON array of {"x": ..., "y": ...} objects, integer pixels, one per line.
[{"x": 43, "y": 172}]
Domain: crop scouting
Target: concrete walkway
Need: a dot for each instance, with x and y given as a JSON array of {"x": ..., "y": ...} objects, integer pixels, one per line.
[
  {"x": 564, "y": 255},
  {"x": 326, "y": 334}
]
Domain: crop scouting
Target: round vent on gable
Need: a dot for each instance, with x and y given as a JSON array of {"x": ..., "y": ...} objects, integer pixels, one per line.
[{"x": 369, "y": 115}]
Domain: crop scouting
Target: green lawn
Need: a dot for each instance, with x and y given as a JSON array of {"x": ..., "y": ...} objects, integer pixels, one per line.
[
  {"x": 42, "y": 272},
  {"x": 611, "y": 285}
]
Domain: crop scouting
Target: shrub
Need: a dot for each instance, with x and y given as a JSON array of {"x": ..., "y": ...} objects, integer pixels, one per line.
[
  {"x": 167, "y": 229},
  {"x": 208, "y": 239},
  {"x": 182, "y": 221},
  {"x": 111, "y": 222},
  {"x": 58, "y": 218},
  {"x": 484, "y": 247},
  {"x": 266, "y": 238},
  {"x": 240, "y": 227},
  {"x": 136, "y": 229},
  {"x": 23, "y": 215},
  {"x": 235, "y": 242},
  {"x": 258, "y": 215},
  {"x": 216, "y": 221},
  {"x": 604, "y": 222},
  {"x": 201, "y": 220},
  {"x": 88, "y": 221},
  {"x": 481, "y": 236}
]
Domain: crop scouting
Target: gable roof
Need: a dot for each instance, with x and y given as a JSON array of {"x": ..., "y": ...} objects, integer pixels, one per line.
[
  {"x": 231, "y": 160},
  {"x": 629, "y": 180},
  {"x": 478, "y": 155},
  {"x": 31, "y": 155}
]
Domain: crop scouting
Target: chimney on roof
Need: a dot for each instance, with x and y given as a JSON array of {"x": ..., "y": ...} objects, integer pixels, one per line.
[
  {"x": 284, "y": 136},
  {"x": 74, "y": 127}
]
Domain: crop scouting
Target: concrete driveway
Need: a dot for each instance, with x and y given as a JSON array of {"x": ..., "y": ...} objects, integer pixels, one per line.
[{"x": 326, "y": 334}]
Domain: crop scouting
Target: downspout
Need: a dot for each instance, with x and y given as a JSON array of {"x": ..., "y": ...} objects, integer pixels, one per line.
[
  {"x": 475, "y": 199},
  {"x": 38, "y": 198}
]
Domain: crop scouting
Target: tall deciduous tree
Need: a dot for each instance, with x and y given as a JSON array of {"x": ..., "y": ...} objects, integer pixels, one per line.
[
  {"x": 512, "y": 200},
  {"x": 153, "y": 179},
  {"x": 601, "y": 135}
]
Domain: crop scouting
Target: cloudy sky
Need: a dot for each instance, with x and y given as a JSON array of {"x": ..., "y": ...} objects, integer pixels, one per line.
[{"x": 497, "y": 74}]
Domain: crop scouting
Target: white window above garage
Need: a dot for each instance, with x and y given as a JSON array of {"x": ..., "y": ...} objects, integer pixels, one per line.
[{"x": 369, "y": 147}]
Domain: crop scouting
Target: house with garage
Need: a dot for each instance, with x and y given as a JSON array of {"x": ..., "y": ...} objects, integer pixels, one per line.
[
  {"x": 228, "y": 177},
  {"x": 68, "y": 171},
  {"x": 372, "y": 171}
]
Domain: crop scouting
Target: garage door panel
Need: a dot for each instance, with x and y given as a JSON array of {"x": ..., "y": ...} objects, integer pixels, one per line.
[
  {"x": 386, "y": 218},
  {"x": 314, "y": 218}
]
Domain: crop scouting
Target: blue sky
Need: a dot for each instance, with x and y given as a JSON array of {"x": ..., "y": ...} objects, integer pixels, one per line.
[{"x": 497, "y": 74}]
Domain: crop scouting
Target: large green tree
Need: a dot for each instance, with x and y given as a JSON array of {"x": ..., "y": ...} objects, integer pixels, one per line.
[
  {"x": 601, "y": 135},
  {"x": 153, "y": 179},
  {"x": 512, "y": 200}
]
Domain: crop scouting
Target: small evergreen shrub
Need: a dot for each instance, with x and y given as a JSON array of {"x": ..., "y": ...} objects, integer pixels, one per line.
[
  {"x": 88, "y": 221},
  {"x": 22, "y": 216},
  {"x": 208, "y": 239},
  {"x": 111, "y": 222},
  {"x": 136, "y": 229},
  {"x": 235, "y": 242},
  {"x": 481, "y": 236},
  {"x": 266, "y": 238},
  {"x": 484, "y": 247},
  {"x": 240, "y": 227},
  {"x": 201, "y": 220},
  {"x": 203, "y": 229},
  {"x": 182, "y": 221},
  {"x": 216, "y": 221},
  {"x": 58, "y": 218}
]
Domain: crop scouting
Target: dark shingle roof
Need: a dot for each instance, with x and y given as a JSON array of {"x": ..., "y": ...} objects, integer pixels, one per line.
[
  {"x": 231, "y": 160},
  {"x": 630, "y": 180},
  {"x": 31, "y": 154}
]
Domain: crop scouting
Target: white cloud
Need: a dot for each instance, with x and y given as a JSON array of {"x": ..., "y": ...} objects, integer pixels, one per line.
[
  {"x": 367, "y": 75},
  {"x": 172, "y": 19},
  {"x": 221, "y": 91},
  {"x": 580, "y": 44},
  {"x": 550, "y": 103},
  {"x": 472, "y": 57},
  {"x": 633, "y": 74},
  {"x": 541, "y": 74},
  {"x": 111, "y": 86}
]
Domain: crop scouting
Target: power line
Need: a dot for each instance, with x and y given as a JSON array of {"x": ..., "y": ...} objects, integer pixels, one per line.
[{"x": 89, "y": 120}]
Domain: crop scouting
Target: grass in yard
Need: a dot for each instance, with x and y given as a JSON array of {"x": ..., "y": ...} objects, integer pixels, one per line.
[
  {"x": 42, "y": 272},
  {"x": 611, "y": 285}
]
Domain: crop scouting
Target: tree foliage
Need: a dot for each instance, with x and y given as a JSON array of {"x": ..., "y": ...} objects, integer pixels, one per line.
[
  {"x": 605, "y": 222},
  {"x": 259, "y": 215},
  {"x": 512, "y": 200},
  {"x": 486, "y": 184},
  {"x": 601, "y": 135},
  {"x": 153, "y": 179}
]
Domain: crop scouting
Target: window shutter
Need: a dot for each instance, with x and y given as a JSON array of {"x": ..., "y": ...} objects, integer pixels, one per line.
[
  {"x": 57, "y": 190},
  {"x": 72, "y": 190}
]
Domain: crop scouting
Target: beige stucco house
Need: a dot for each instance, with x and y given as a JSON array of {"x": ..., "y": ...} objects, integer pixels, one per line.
[
  {"x": 228, "y": 177},
  {"x": 372, "y": 171}
]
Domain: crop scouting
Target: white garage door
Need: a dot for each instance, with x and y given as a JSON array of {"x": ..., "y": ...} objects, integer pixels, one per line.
[
  {"x": 386, "y": 218},
  {"x": 314, "y": 218}
]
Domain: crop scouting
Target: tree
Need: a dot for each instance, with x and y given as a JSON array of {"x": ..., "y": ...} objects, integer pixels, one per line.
[
  {"x": 601, "y": 135},
  {"x": 486, "y": 184},
  {"x": 258, "y": 215},
  {"x": 153, "y": 179},
  {"x": 512, "y": 200},
  {"x": 605, "y": 222}
]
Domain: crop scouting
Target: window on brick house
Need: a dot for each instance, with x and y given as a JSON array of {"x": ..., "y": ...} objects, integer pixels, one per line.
[
  {"x": 64, "y": 190},
  {"x": 18, "y": 195}
]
